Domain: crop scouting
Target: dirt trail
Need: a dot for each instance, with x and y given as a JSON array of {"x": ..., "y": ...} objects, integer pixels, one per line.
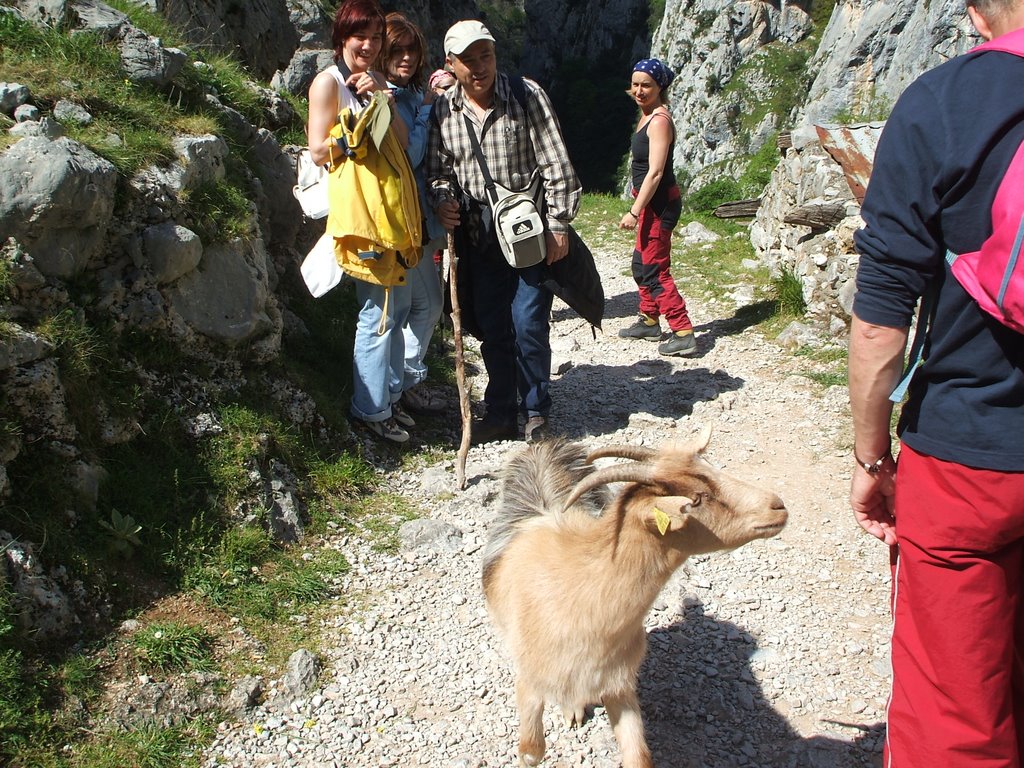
[{"x": 774, "y": 655}]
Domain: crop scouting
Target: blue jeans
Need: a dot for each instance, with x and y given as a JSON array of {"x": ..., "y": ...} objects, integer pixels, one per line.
[
  {"x": 425, "y": 288},
  {"x": 378, "y": 356},
  {"x": 513, "y": 311}
]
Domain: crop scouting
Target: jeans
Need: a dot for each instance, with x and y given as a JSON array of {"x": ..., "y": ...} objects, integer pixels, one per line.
[
  {"x": 513, "y": 311},
  {"x": 378, "y": 356},
  {"x": 424, "y": 312}
]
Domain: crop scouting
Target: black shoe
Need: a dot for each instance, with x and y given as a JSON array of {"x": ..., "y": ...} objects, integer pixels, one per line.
[
  {"x": 537, "y": 428},
  {"x": 492, "y": 430},
  {"x": 643, "y": 328},
  {"x": 680, "y": 344}
]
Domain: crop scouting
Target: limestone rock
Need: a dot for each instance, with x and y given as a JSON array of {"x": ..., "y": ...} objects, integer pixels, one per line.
[
  {"x": 146, "y": 61},
  {"x": 18, "y": 347},
  {"x": 36, "y": 395},
  {"x": 25, "y": 113},
  {"x": 170, "y": 251},
  {"x": 259, "y": 31},
  {"x": 226, "y": 296},
  {"x": 42, "y": 608},
  {"x": 283, "y": 504},
  {"x": 710, "y": 44},
  {"x": 44, "y": 128},
  {"x": 303, "y": 669},
  {"x": 870, "y": 52},
  {"x": 52, "y": 13},
  {"x": 56, "y": 198},
  {"x": 70, "y": 112},
  {"x": 434, "y": 535},
  {"x": 100, "y": 19},
  {"x": 300, "y": 71},
  {"x": 12, "y": 96}
]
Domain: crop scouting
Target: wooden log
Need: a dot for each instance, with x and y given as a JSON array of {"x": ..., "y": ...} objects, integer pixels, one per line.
[
  {"x": 738, "y": 209},
  {"x": 784, "y": 141},
  {"x": 817, "y": 215}
]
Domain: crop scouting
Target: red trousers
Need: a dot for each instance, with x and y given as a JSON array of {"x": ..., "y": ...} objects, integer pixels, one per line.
[
  {"x": 652, "y": 262},
  {"x": 958, "y": 620}
]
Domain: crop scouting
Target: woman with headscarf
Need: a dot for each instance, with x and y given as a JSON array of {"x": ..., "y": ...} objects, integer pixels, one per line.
[{"x": 654, "y": 213}]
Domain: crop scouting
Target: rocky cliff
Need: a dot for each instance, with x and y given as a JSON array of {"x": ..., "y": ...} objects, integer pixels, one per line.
[
  {"x": 872, "y": 49},
  {"x": 737, "y": 63},
  {"x": 869, "y": 52}
]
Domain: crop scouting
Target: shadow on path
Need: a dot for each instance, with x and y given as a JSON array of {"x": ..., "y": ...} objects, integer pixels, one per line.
[
  {"x": 699, "y": 690},
  {"x": 604, "y": 397}
]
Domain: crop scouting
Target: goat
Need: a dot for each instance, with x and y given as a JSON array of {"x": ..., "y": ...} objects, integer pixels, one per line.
[{"x": 569, "y": 573}]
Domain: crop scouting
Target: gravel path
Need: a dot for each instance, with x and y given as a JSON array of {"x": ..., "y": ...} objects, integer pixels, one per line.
[{"x": 773, "y": 655}]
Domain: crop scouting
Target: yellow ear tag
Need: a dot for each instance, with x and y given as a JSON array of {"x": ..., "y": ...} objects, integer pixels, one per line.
[{"x": 661, "y": 520}]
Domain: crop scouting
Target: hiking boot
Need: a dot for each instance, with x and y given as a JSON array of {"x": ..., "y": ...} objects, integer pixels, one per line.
[
  {"x": 536, "y": 429},
  {"x": 404, "y": 419},
  {"x": 679, "y": 344},
  {"x": 387, "y": 429},
  {"x": 489, "y": 430},
  {"x": 419, "y": 399},
  {"x": 644, "y": 328}
]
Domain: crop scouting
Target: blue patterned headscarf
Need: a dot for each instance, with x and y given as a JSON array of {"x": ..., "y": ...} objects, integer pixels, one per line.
[{"x": 659, "y": 72}]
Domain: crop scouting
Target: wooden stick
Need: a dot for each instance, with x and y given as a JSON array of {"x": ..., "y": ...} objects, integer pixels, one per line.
[{"x": 460, "y": 364}]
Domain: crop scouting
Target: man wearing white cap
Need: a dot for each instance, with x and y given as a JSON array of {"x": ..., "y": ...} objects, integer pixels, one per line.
[{"x": 519, "y": 137}]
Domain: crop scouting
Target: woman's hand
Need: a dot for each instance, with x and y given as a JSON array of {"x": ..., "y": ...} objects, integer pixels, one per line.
[
  {"x": 366, "y": 82},
  {"x": 629, "y": 221}
]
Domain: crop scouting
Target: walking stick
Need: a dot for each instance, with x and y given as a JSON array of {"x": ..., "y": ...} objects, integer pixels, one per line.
[{"x": 460, "y": 363}]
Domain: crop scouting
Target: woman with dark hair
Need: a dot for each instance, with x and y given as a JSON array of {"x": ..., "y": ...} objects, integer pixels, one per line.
[
  {"x": 378, "y": 356},
  {"x": 405, "y": 63},
  {"x": 658, "y": 201}
]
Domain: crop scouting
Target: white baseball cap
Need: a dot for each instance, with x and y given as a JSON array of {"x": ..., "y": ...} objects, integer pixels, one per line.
[{"x": 463, "y": 34}]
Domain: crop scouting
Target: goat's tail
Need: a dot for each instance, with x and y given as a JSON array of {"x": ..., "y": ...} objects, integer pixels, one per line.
[{"x": 536, "y": 481}]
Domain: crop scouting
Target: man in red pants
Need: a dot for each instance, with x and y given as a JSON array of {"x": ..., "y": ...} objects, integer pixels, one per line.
[{"x": 952, "y": 510}]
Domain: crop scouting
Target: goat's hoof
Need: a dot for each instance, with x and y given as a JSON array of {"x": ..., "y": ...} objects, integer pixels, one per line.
[
  {"x": 574, "y": 717},
  {"x": 531, "y": 756}
]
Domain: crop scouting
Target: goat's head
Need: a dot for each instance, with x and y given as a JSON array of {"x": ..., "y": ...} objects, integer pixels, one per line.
[{"x": 678, "y": 494}]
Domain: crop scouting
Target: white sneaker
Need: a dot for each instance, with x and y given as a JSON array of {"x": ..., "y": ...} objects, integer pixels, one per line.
[
  {"x": 419, "y": 399},
  {"x": 387, "y": 429},
  {"x": 399, "y": 414}
]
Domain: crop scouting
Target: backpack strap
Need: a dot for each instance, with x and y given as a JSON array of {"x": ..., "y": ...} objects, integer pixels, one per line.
[
  {"x": 925, "y": 315},
  {"x": 518, "y": 87},
  {"x": 1011, "y": 42}
]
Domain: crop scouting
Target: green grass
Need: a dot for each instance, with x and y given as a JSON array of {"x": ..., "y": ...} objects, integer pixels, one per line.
[
  {"x": 146, "y": 746},
  {"x": 170, "y": 646},
  {"x": 789, "y": 293},
  {"x": 6, "y": 279},
  {"x": 219, "y": 211}
]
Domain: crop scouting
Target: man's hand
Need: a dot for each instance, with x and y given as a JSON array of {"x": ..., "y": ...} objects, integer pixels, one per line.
[
  {"x": 871, "y": 499},
  {"x": 558, "y": 246},
  {"x": 448, "y": 214}
]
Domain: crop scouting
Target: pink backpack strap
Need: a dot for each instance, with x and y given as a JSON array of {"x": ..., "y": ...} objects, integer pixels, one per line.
[{"x": 1011, "y": 42}]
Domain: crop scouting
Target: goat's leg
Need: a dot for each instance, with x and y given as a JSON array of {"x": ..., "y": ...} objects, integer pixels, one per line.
[
  {"x": 531, "y": 724},
  {"x": 623, "y": 710}
]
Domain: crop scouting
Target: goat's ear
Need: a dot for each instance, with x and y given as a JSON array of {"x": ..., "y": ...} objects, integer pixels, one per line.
[{"x": 669, "y": 513}]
